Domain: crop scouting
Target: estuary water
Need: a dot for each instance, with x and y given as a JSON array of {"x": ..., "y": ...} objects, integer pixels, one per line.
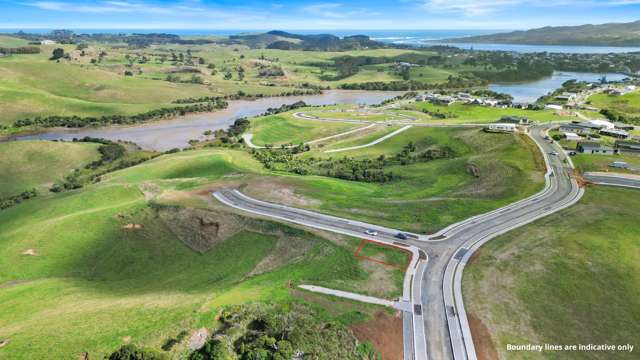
[
  {"x": 530, "y": 91},
  {"x": 175, "y": 133}
]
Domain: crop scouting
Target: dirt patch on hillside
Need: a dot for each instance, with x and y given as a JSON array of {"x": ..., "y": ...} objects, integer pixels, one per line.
[
  {"x": 276, "y": 190},
  {"x": 485, "y": 348},
  {"x": 384, "y": 331},
  {"x": 198, "y": 228},
  {"x": 29, "y": 252}
]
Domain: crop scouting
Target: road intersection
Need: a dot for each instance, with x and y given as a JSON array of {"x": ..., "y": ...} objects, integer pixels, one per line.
[{"x": 436, "y": 325}]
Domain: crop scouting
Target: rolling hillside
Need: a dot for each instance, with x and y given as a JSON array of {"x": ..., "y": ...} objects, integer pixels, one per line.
[{"x": 611, "y": 34}]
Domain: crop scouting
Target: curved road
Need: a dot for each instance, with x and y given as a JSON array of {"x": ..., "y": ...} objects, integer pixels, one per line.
[{"x": 437, "y": 327}]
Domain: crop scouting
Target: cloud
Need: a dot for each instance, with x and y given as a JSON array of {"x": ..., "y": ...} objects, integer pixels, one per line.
[
  {"x": 482, "y": 7},
  {"x": 186, "y": 8},
  {"x": 336, "y": 11}
]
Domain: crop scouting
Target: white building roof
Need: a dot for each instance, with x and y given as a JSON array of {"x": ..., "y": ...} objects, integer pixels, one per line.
[{"x": 603, "y": 123}]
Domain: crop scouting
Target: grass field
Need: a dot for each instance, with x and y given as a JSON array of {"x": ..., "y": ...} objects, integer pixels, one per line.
[
  {"x": 550, "y": 281},
  {"x": 463, "y": 113},
  {"x": 8, "y": 41},
  {"x": 585, "y": 162},
  {"x": 77, "y": 273},
  {"x": 431, "y": 194},
  {"x": 627, "y": 103},
  {"x": 37, "y": 164},
  {"x": 282, "y": 129}
]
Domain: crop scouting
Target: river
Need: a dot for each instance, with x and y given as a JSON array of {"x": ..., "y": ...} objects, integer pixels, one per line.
[
  {"x": 175, "y": 133},
  {"x": 530, "y": 91}
]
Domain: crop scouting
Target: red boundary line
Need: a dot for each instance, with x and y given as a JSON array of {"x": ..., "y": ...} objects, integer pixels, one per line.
[{"x": 364, "y": 241}]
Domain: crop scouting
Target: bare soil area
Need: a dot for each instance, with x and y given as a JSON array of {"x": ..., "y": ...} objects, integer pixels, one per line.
[
  {"x": 384, "y": 331},
  {"x": 485, "y": 348}
]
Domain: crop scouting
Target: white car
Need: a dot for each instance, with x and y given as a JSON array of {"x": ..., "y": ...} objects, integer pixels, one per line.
[
  {"x": 554, "y": 153},
  {"x": 371, "y": 232}
]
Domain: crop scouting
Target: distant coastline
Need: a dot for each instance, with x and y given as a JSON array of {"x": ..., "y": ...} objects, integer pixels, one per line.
[{"x": 418, "y": 38}]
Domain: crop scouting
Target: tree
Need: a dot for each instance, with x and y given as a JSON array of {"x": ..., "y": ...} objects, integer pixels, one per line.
[
  {"x": 240, "y": 73},
  {"x": 132, "y": 352},
  {"x": 227, "y": 75},
  {"x": 57, "y": 54}
]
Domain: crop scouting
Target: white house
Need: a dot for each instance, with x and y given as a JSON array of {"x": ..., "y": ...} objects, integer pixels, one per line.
[
  {"x": 572, "y": 136},
  {"x": 47, "y": 42}
]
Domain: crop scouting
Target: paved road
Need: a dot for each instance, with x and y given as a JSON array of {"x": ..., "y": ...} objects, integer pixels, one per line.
[
  {"x": 602, "y": 178},
  {"x": 439, "y": 325},
  {"x": 447, "y": 324},
  {"x": 372, "y": 143}
]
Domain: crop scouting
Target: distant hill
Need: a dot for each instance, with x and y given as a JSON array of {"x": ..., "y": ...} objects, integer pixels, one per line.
[
  {"x": 320, "y": 42},
  {"x": 611, "y": 34}
]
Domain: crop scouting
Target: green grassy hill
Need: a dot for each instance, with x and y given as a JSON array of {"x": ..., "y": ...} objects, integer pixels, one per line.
[
  {"x": 549, "y": 281},
  {"x": 628, "y": 104},
  {"x": 610, "y": 34},
  {"x": 487, "y": 171},
  {"x": 146, "y": 254},
  {"x": 37, "y": 164}
]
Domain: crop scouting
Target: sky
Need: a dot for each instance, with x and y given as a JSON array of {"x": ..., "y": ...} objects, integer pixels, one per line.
[{"x": 312, "y": 15}]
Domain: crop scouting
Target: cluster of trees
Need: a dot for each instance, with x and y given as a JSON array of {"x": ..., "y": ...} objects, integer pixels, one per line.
[
  {"x": 78, "y": 122},
  {"x": 113, "y": 156},
  {"x": 20, "y": 50},
  {"x": 285, "y": 108},
  {"x": 57, "y": 53},
  {"x": 617, "y": 116},
  {"x": 276, "y": 332},
  {"x": 194, "y": 79},
  {"x": 238, "y": 127},
  {"x": 453, "y": 82},
  {"x": 523, "y": 70},
  {"x": 132, "y": 352},
  {"x": 268, "y": 332},
  {"x": 132, "y": 40},
  {"x": 440, "y": 115},
  {"x": 270, "y": 71},
  {"x": 347, "y": 168},
  {"x": 409, "y": 154},
  {"x": 10, "y": 201},
  {"x": 241, "y": 95}
]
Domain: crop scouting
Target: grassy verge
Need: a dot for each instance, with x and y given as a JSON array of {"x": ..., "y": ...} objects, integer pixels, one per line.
[{"x": 571, "y": 278}]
